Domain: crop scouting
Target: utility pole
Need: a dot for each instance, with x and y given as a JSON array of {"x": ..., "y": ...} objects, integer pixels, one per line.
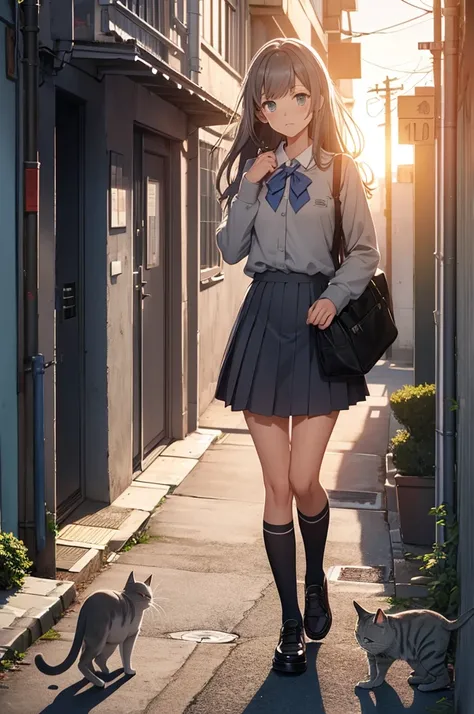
[{"x": 387, "y": 91}]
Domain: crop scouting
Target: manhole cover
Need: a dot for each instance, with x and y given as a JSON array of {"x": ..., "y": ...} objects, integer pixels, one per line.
[
  {"x": 210, "y": 637},
  {"x": 375, "y": 574}
]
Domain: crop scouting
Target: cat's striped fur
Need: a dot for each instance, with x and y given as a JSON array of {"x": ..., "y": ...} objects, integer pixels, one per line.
[
  {"x": 419, "y": 637},
  {"x": 107, "y": 620}
]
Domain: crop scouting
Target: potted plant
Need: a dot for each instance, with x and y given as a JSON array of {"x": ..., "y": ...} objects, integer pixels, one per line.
[
  {"x": 14, "y": 562},
  {"x": 413, "y": 451}
]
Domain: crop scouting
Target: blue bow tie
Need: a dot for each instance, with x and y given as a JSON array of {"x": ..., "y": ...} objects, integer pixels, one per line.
[{"x": 299, "y": 183}]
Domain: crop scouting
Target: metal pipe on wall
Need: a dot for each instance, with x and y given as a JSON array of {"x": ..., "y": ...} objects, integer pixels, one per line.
[
  {"x": 451, "y": 15},
  {"x": 30, "y": 511},
  {"x": 194, "y": 39},
  {"x": 438, "y": 313}
]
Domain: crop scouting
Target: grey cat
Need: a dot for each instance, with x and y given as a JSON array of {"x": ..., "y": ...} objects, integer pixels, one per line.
[
  {"x": 107, "y": 619},
  {"x": 419, "y": 637}
]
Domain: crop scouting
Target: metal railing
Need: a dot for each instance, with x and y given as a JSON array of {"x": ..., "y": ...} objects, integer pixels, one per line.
[{"x": 160, "y": 27}]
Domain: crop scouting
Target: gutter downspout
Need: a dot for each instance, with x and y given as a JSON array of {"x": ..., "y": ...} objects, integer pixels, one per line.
[
  {"x": 34, "y": 511},
  {"x": 451, "y": 14},
  {"x": 437, "y": 51},
  {"x": 194, "y": 40}
]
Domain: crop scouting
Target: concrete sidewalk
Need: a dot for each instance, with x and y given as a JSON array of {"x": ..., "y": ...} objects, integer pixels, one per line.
[{"x": 210, "y": 573}]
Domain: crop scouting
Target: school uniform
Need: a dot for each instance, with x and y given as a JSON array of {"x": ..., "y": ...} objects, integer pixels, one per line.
[{"x": 285, "y": 228}]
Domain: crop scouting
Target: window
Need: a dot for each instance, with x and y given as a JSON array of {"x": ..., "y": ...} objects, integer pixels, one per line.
[
  {"x": 211, "y": 213},
  {"x": 221, "y": 29},
  {"x": 231, "y": 33}
]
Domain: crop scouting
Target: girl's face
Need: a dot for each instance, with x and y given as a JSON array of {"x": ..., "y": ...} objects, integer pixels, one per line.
[{"x": 290, "y": 114}]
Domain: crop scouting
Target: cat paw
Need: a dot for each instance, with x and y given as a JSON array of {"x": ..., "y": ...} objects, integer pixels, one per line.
[
  {"x": 129, "y": 672},
  {"x": 100, "y": 684},
  {"x": 436, "y": 686}
]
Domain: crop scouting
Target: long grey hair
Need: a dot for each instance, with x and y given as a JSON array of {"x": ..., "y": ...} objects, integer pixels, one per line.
[{"x": 273, "y": 73}]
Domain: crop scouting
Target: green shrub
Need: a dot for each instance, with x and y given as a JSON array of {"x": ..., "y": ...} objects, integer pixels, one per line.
[
  {"x": 415, "y": 409},
  {"x": 412, "y": 457},
  {"x": 14, "y": 562}
]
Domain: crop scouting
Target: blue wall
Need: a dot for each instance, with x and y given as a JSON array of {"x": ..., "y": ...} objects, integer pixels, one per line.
[{"x": 8, "y": 295}]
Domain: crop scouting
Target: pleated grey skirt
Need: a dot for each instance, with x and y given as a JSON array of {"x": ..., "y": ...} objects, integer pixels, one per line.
[{"x": 270, "y": 365}]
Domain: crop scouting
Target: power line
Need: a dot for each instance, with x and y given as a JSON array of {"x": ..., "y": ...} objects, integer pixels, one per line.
[
  {"x": 393, "y": 69},
  {"x": 383, "y": 30},
  {"x": 417, "y": 7}
]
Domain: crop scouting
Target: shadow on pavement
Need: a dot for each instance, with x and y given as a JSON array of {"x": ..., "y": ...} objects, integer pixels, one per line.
[
  {"x": 385, "y": 700},
  {"x": 281, "y": 694},
  {"x": 70, "y": 701}
]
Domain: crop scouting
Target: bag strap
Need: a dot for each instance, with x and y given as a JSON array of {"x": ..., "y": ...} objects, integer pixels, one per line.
[{"x": 337, "y": 251}]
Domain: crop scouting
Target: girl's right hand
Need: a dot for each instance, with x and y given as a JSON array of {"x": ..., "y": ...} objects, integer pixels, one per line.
[{"x": 264, "y": 164}]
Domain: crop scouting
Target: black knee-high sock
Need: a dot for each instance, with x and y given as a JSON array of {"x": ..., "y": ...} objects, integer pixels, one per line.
[
  {"x": 314, "y": 530},
  {"x": 281, "y": 551}
]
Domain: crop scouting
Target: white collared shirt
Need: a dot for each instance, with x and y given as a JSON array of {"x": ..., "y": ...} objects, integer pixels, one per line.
[{"x": 301, "y": 242}]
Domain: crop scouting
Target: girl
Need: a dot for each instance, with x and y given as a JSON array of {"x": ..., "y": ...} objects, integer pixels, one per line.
[{"x": 281, "y": 218}]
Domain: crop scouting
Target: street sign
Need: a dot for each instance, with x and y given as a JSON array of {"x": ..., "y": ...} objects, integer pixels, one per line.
[
  {"x": 416, "y": 107},
  {"x": 416, "y": 131},
  {"x": 416, "y": 119}
]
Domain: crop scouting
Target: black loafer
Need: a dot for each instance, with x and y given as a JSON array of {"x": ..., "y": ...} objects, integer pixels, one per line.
[
  {"x": 317, "y": 612},
  {"x": 290, "y": 654}
]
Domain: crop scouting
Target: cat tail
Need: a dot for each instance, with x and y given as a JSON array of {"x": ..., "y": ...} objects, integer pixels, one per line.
[
  {"x": 73, "y": 652},
  {"x": 456, "y": 624}
]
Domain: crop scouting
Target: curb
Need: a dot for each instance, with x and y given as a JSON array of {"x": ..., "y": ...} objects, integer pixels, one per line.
[
  {"x": 92, "y": 539},
  {"x": 33, "y": 610},
  {"x": 28, "y": 614},
  {"x": 404, "y": 588}
]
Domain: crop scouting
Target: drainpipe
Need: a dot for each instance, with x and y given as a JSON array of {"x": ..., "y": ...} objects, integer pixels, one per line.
[
  {"x": 194, "y": 40},
  {"x": 436, "y": 50},
  {"x": 33, "y": 506},
  {"x": 451, "y": 14}
]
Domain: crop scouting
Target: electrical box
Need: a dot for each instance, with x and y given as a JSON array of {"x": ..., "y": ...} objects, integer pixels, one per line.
[{"x": 344, "y": 60}]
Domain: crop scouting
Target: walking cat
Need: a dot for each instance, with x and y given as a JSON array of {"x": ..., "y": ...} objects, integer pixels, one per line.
[
  {"x": 419, "y": 637},
  {"x": 107, "y": 619}
]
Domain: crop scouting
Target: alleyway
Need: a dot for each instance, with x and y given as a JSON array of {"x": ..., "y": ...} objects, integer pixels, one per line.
[{"x": 210, "y": 572}]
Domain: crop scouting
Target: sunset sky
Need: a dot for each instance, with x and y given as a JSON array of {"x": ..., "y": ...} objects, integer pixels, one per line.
[{"x": 397, "y": 52}]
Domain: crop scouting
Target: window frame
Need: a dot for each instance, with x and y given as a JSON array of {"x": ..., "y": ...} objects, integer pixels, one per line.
[{"x": 209, "y": 273}]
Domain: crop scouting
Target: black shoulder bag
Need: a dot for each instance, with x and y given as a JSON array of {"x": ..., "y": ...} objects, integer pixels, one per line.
[{"x": 358, "y": 337}]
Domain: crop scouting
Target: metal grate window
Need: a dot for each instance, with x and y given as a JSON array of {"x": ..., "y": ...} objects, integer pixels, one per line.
[
  {"x": 211, "y": 212},
  {"x": 155, "y": 12}
]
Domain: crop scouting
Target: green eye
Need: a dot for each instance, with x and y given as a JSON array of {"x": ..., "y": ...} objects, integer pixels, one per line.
[
  {"x": 270, "y": 106},
  {"x": 301, "y": 99}
]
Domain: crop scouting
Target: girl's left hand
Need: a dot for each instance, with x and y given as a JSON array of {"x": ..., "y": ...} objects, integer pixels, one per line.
[{"x": 321, "y": 313}]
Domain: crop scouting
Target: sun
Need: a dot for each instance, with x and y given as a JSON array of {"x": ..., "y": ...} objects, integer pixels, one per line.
[{"x": 374, "y": 153}]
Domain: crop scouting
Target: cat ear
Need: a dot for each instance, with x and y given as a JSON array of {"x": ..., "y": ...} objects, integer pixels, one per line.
[
  {"x": 148, "y": 580},
  {"x": 380, "y": 617},
  {"x": 131, "y": 579},
  {"x": 360, "y": 610}
]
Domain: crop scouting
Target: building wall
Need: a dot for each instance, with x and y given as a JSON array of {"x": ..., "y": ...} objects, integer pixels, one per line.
[
  {"x": 95, "y": 318},
  {"x": 402, "y": 259},
  {"x": 465, "y": 368},
  {"x": 8, "y": 295},
  {"x": 127, "y": 103},
  {"x": 219, "y": 301}
]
